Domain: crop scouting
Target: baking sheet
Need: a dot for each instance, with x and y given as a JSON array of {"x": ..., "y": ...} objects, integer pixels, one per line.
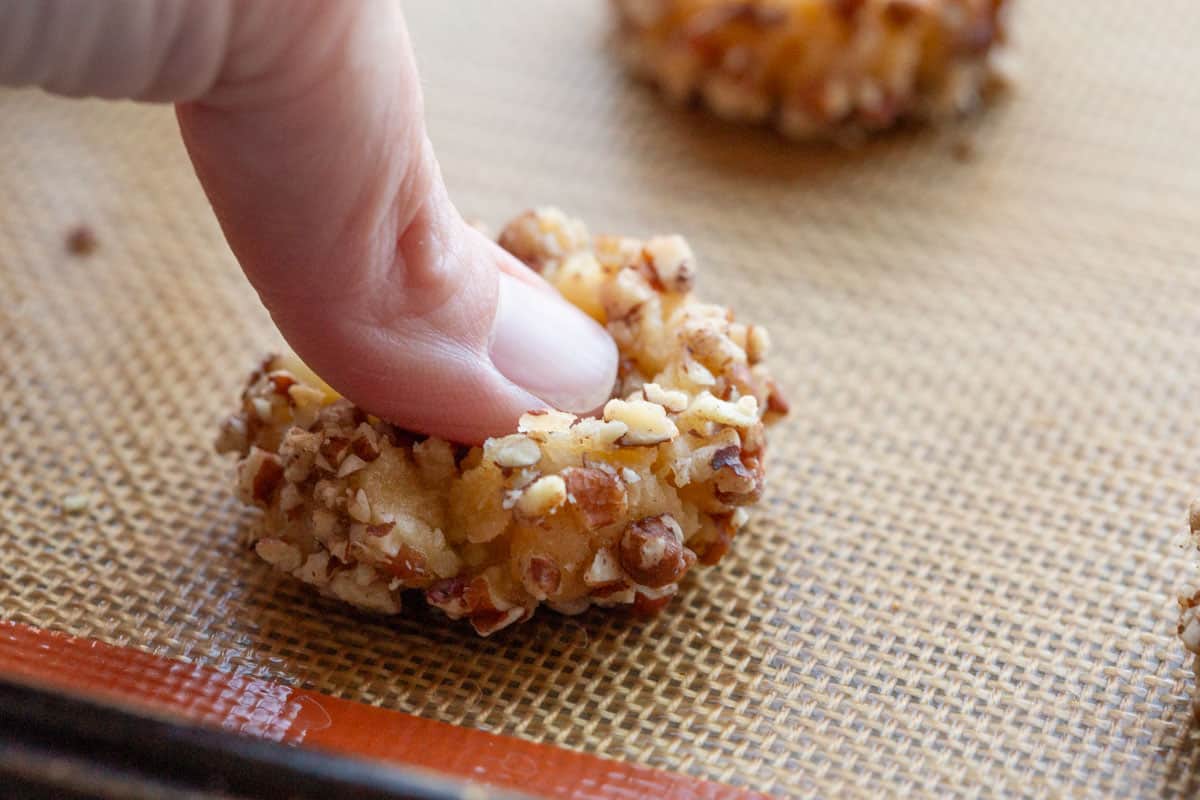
[{"x": 961, "y": 578}]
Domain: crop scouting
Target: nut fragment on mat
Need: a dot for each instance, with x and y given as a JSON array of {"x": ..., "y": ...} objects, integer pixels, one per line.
[
  {"x": 610, "y": 510},
  {"x": 819, "y": 68}
]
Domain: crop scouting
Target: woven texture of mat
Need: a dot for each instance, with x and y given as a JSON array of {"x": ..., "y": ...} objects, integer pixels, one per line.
[{"x": 961, "y": 579}]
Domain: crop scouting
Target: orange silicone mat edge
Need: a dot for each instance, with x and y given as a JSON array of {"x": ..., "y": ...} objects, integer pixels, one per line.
[{"x": 282, "y": 713}]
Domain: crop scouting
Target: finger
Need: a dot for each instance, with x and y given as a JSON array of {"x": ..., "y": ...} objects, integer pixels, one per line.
[{"x": 310, "y": 143}]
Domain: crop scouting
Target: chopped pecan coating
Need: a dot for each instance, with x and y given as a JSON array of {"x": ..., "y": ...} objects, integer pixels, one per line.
[
  {"x": 571, "y": 512},
  {"x": 819, "y": 68}
]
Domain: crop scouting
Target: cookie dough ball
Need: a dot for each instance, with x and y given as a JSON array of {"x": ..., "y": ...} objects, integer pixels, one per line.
[
  {"x": 818, "y": 68},
  {"x": 611, "y": 510}
]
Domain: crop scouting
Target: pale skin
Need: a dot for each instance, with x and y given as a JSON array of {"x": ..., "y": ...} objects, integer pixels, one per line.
[{"x": 305, "y": 125}]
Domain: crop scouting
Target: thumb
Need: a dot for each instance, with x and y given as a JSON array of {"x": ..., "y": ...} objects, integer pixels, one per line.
[{"x": 305, "y": 126}]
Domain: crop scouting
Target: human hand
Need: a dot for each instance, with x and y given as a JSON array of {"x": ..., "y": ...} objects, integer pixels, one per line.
[{"x": 304, "y": 122}]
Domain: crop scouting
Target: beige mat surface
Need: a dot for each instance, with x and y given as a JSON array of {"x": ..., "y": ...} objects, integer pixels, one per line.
[{"x": 962, "y": 577}]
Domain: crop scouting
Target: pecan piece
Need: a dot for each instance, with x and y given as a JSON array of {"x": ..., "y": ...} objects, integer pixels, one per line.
[
  {"x": 365, "y": 449},
  {"x": 542, "y": 577},
  {"x": 450, "y": 595},
  {"x": 358, "y": 506},
  {"x": 542, "y": 497},
  {"x": 670, "y": 399},
  {"x": 758, "y": 344},
  {"x": 672, "y": 266},
  {"x": 351, "y": 465},
  {"x": 735, "y": 477},
  {"x": 647, "y": 423},
  {"x": 297, "y": 452},
  {"x": 1189, "y": 632},
  {"x": 776, "y": 402},
  {"x": 738, "y": 376},
  {"x": 521, "y": 237},
  {"x": 81, "y": 241},
  {"x": 604, "y": 572},
  {"x": 282, "y": 381},
  {"x": 461, "y": 596},
  {"x": 234, "y": 436},
  {"x": 513, "y": 451},
  {"x": 382, "y": 529},
  {"x": 717, "y": 547},
  {"x": 409, "y": 564},
  {"x": 646, "y": 606},
  {"x": 267, "y": 478},
  {"x": 597, "y": 494},
  {"x": 744, "y": 487},
  {"x": 540, "y": 422},
  {"x": 334, "y": 449},
  {"x": 728, "y": 457},
  {"x": 279, "y": 554},
  {"x": 486, "y": 623},
  {"x": 652, "y": 551}
]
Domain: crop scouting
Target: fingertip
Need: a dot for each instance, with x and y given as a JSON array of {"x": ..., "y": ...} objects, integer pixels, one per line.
[{"x": 551, "y": 349}]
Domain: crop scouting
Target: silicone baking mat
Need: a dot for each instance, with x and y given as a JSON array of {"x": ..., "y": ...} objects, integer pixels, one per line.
[{"x": 961, "y": 578}]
